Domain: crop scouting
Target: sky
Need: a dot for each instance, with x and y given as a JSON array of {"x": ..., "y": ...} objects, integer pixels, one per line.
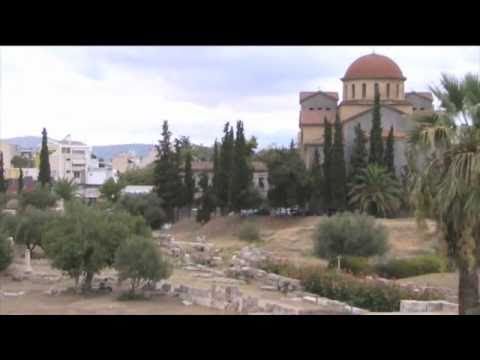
[{"x": 116, "y": 95}]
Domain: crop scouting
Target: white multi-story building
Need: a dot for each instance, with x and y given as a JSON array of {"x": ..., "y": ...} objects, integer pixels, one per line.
[
  {"x": 69, "y": 159},
  {"x": 73, "y": 160}
]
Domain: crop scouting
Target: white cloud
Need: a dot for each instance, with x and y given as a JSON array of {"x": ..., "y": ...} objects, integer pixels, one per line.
[{"x": 122, "y": 95}]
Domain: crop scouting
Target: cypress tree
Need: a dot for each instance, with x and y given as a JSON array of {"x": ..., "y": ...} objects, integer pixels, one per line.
[
  {"x": 359, "y": 157},
  {"x": 44, "y": 175},
  {"x": 216, "y": 168},
  {"x": 338, "y": 172},
  {"x": 20, "y": 181},
  {"x": 3, "y": 182},
  {"x": 316, "y": 183},
  {"x": 189, "y": 181},
  {"x": 225, "y": 168},
  {"x": 376, "y": 141},
  {"x": 327, "y": 164},
  {"x": 389, "y": 160},
  {"x": 242, "y": 173},
  {"x": 166, "y": 174},
  {"x": 207, "y": 203}
]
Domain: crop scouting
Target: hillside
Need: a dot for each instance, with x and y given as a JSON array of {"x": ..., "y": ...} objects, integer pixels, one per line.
[{"x": 108, "y": 151}]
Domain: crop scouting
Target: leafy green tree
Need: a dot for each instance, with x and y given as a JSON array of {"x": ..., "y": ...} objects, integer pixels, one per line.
[
  {"x": 338, "y": 170},
  {"x": 359, "y": 157},
  {"x": 242, "y": 172},
  {"x": 41, "y": 198},
  {"x": 84, "y": 240},
  {"x": 138, "y": 176},
  {"x": 3, "y": 182},
  {"x": 327, "y": 163},
  {"x": 20, "y": 182},
  {"x": 8, "y": 224},
  {"x": 288, "y": 179},
  {"x": 317, "y": 183},
  {"x": 139, "y": 260},
  {"x": 149, "y": 206},
  {"x": 31, "y": 225},
  {"x": 376, "y": 140},
  {"x": 446, "y": 183},
  {"x": 389, "y": 160},
  {"x": 376, "y": 192},
  {"x": 6, "y": 252},
  {"x": 207, "y": 200},
  {"x": 65, "y": 189},
  {"x": 21, "y": 162},
  {"x": 111, "y": 190},
  {"x": 44, "y": 175},
  {"x": 167, "y": 174}
]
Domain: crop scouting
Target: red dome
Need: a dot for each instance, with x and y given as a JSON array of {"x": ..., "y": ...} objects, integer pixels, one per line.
[{"x": 373, "y": 66}]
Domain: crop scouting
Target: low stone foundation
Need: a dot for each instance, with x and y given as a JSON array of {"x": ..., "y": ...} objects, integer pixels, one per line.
[{"x": 438, "y": 306}]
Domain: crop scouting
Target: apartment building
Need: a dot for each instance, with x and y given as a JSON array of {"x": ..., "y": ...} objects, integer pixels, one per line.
[{"x": 69, "y": 159}]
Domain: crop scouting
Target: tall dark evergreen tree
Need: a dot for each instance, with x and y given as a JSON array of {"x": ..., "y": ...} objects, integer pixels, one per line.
[
  {"x": 20, "y": 182},
  {"x": 338, "y": 171},
  {"x": 216, "y": 167},
  {"x": 327, "y": 164},
  {"x": 189, "y": 181},
  {"x": 376, "y": 140},
  {"x": 207, "y": 200},
  {"x": 168, "y": 183},
  {"x": 359, "y": 157},
  {"x": 225, "y": 168},
  {"x": 44, "y": 175},
  {"x": 389, "y": 159},
  {"x": 3, "y": 182},
  {"x": 242, "y": 172},
  {"x": 316, "y": 183}
]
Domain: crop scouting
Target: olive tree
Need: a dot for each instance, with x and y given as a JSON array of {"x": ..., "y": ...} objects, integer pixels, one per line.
[
  {"x": 138, "y": 260},
  {"x": 83, "y": 240}
]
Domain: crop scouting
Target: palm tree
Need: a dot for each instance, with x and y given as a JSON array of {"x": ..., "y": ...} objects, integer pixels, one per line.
[
  {"x": 65, "y": 189},
  {"x": 375, "y": 191},
  {"x": 447, "y": 185}
]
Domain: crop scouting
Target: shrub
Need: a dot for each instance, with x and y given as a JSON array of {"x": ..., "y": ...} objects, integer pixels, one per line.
[
  {"x": 249, "y": 231},
  {"x": 355, "y": 265},
  {"x": 419, "y": 265},
  {"x": 138, "y": 259},
  {"x": 366, "y": 294},
  {"x": 40, "y": 198},
  {"x": 6, "y": 252},
  {"x": 349, "y": 234}
]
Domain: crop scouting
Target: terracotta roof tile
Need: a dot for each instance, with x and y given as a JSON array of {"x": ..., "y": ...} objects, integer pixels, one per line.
[{"x": 373, "y": 66}]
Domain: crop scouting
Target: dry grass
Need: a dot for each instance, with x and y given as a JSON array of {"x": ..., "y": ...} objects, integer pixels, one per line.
[{"x": 292, "y": 237}]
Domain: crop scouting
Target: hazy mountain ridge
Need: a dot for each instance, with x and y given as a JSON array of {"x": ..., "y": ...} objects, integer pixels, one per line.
[{"x": 108, "y": 151}]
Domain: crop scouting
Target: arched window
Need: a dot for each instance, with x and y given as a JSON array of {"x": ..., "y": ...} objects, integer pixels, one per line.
[
  {"x": 388, "y": 91},
  {"x": 376, "y": 89},
  {"x": 398, "y": 91},
  {"x": 353, "y": 91},
  {"x": 364, "y": 91},
  {"x": 345, "y": 91}
]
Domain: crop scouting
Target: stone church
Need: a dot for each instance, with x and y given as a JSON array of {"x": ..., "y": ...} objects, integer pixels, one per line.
[{"x": 365, "y": 76}]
